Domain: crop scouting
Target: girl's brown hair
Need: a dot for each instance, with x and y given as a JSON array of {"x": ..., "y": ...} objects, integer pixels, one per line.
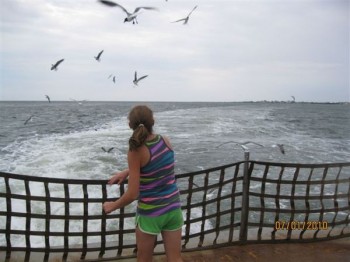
[{"x": 141, "y": 121}]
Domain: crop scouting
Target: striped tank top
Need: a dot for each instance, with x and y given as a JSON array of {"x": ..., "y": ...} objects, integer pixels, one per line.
[{"x": 159, "y": 193}]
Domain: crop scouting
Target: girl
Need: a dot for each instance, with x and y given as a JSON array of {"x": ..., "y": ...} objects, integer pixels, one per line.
[{"x": 152, "y": 182}]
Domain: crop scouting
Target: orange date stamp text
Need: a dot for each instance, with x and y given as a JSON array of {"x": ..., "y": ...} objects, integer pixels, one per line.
[{"x": 301, "y": 225}]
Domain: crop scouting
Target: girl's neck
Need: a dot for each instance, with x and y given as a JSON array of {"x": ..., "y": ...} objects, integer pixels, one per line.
[{"x": 151, "y": 137}]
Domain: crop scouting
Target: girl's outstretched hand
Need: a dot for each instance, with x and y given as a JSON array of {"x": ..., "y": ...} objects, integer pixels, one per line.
[
  {"x": 118, "y": 177},
  {"x": 109, "y": 207}
]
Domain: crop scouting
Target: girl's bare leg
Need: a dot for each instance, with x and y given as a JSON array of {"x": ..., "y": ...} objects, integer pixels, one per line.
[
  {"x": 172, "y": 245},
  {"x": 145, "y": 246}
]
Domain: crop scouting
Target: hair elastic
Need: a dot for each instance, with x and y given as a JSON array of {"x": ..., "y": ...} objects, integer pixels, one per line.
[{"x": 141, "y": 125}]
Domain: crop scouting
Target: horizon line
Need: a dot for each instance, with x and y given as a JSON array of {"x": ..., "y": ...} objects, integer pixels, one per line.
[{"x": 164, "y": 101}]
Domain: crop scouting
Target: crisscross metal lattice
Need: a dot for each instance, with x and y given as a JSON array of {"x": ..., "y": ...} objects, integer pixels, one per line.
[{"x": 43, "y": 219}]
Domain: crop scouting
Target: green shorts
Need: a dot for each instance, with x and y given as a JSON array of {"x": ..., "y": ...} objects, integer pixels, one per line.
[{"x": 170, "y": 221}]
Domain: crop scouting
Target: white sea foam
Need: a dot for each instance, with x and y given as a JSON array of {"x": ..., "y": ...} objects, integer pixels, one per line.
[
  {"x": 196, "y": 227},
  {"x": 63, "y": 155}
]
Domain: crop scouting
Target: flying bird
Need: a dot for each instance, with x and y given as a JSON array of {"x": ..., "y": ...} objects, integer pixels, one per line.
[
  {"x": 54, "y": 67},
  {"x": 280, "y": 147},
  {"x": 29, "y": 119},
  {"x": 136, "y": 80},
  {"x": 48, "y": 98},
  {"x": 242, "y": 144},
  {"x": 113, "y": 79},
  {"x": 186, "y": 18},
  {"x": 130, "y": 17},
  {"x": 98, "y": 57},
  {"x": 107, "y": 150}
]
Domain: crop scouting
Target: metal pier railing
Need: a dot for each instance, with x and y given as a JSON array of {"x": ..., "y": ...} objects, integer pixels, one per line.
[{"x": 239, "y": 203}]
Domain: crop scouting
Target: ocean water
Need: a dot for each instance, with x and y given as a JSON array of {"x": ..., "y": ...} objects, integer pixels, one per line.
[{"x": 64, "y": 139}]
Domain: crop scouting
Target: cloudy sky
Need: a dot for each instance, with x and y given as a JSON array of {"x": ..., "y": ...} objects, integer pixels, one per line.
[{"x": 246, "y": 50}]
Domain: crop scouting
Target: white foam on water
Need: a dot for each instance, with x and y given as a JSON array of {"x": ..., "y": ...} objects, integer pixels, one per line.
[
  {"x": 196, "y": 227},
  {"x": 73, "y": 155}
]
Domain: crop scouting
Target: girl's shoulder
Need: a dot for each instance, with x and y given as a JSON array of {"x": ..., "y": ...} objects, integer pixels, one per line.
[{"x": 167, "y": 141}]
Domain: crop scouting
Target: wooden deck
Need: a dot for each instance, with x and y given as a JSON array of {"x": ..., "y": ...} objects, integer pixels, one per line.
[{"x": 324, "y": 251}]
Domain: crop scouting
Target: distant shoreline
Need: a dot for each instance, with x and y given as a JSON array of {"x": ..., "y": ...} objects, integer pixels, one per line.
[{"x": 217, "y": 102}]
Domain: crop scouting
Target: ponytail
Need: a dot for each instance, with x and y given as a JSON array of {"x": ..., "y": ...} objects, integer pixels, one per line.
[
  {"x": 141, "y": 121},
  {"x": 138, "y": 137}
]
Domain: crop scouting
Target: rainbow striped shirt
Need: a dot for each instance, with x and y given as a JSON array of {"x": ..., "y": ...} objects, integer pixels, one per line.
[{"x": 159, "y": 193}]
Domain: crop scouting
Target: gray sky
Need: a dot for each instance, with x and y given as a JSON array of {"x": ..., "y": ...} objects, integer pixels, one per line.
[{"x": 229, "y": 51}]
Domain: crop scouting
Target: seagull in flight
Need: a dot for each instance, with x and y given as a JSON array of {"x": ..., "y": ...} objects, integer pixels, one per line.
[
  {"x": 280, "y": 147},
  {"x": 48, "y": 98},
  {"x": 242, "y": 144},
  {"x": 54, "y": 67},
  {"x": 29, "y": 119},
  {"x": 98, "y": 56},
  {"x": 186, "y": 18},
  {"x": 131, "y": 17},
  {"x": 113, "y": 79},
  {"x": 136, "y": 80},
  {"x": 107, "y": 150}
]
